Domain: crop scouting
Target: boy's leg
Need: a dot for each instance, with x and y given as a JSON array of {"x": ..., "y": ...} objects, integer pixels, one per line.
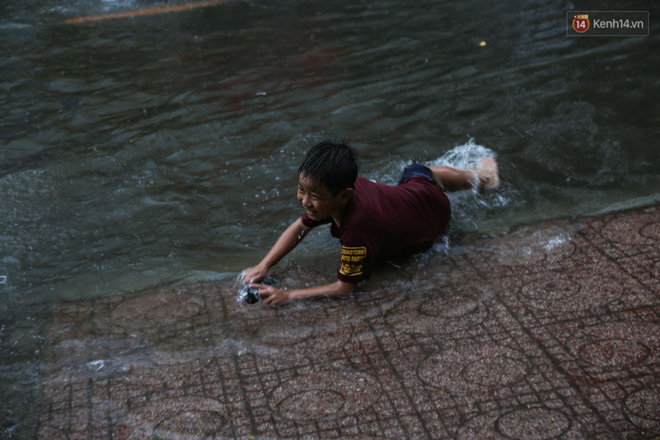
[{"x": 485, "y": 176}]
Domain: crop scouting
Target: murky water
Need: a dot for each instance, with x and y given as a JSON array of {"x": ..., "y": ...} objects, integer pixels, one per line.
[
  {"x": 160, "y": 149},
  {"x": 147, "y": 150}
]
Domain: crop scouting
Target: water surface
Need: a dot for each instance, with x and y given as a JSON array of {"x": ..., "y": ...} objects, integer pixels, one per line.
[
  {"x": 163, "y": 149},
  {"x": 152, "y": 149}
]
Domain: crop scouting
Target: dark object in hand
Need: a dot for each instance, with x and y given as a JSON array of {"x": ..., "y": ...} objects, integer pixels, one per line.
[{"x": 251, "y": 296}]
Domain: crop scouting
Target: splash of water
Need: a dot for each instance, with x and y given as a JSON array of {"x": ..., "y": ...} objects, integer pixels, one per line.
[
  {"x": 464, "y": 157},
  {"x": 468, "y": 206}
]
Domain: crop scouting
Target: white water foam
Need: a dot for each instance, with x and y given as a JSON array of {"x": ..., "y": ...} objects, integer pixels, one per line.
[
  {"x": 469, "y": 206},
  {"x": 464, "y": 157}
]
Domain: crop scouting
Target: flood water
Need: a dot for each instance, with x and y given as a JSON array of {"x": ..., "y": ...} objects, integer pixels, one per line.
[{"x": 159, "y": 149}]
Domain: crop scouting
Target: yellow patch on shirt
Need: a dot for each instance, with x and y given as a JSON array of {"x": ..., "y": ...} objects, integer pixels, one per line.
[{"x": 352, "y": 259}]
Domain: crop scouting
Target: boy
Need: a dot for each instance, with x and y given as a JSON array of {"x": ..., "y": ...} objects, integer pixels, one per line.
[{"x": 371, "y": 220}]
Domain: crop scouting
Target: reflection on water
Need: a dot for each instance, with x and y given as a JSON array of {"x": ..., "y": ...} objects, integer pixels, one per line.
[
  {"x": 140, "y": 12},
  {"x": 163, "y": 149}
]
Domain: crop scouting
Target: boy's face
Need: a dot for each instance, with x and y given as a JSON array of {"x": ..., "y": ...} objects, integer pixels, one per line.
[{"x": 319, "y": 201}]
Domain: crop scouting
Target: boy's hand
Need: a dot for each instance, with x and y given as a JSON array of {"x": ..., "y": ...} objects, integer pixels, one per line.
[
  {"x": 272, "y": 295},
  {"x": 254, "y": 274}
]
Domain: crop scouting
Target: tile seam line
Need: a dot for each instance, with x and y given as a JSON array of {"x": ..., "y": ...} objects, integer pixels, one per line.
[
  {"x": 241, "y": 380},
  {"x": 553, "y": 361},
  {"x": 215, "y": 321},
  {"x": 402, "y": 384},
  {"x": 89, "y": 388},
  {"x": 246, "y": 397}
]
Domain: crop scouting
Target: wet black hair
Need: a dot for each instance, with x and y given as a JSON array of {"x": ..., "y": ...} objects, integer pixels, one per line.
[{"x": 332, "y": 164}]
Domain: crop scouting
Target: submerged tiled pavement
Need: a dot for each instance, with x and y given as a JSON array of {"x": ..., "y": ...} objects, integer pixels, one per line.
[{"x": 551, "y": 331}]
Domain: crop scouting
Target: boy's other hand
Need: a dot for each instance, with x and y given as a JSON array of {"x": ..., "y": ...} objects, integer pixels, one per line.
[
  {"x": 271, "y": 295},
  {"x": 254, "y": 274}
]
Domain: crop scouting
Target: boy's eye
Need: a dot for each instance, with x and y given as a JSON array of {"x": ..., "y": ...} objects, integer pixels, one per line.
[{"x": 313, "y": 195}]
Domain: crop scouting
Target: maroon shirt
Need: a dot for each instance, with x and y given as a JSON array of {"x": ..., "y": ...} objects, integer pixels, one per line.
[{"x": 383, "y": 221}]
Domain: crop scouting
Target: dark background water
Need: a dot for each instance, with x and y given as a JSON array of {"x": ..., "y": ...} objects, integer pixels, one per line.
[
  {"x": 160, "y": 149},
  {"x": 147, "y": 150}
]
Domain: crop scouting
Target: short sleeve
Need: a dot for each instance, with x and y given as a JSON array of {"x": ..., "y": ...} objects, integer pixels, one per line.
[{"x": 354, "y": 264}]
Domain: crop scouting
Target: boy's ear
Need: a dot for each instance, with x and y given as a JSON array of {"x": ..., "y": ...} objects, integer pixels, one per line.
[{"x": 345, "y": 195}]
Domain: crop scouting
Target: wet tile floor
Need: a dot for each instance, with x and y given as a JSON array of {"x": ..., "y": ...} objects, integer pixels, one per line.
[{"x": 551, "y": 331}]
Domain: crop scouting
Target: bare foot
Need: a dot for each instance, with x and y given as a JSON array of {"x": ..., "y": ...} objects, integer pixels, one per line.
[{"x": 488, "y": 173}]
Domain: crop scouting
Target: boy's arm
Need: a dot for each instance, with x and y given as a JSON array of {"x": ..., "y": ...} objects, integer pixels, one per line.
[
  {"x": 275, "y": 297},
  {"x": 285, "y": 244}
]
